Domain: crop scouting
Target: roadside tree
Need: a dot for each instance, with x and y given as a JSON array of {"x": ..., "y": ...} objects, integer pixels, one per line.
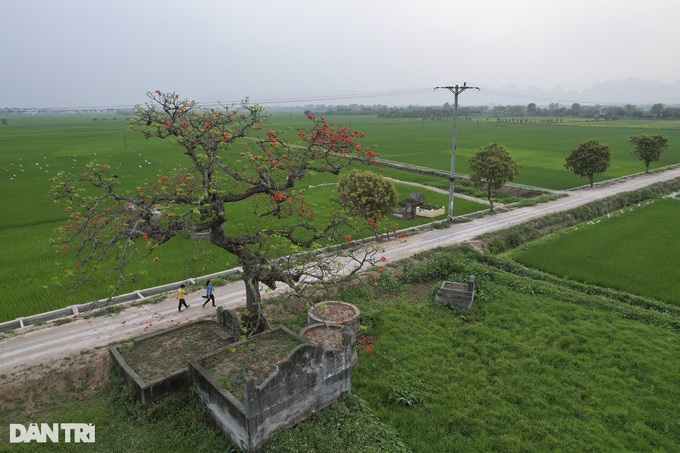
[
  {"x": 491, "y": 167},
  {"x": 367, "y": 195},
  {"x": 232, "y": 161},
  {"x": 589, "y": 159},
  {"x": 648, "y": 148}
]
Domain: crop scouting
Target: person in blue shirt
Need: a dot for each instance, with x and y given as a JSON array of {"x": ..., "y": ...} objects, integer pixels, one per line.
[{"x": 209, "y": 296}]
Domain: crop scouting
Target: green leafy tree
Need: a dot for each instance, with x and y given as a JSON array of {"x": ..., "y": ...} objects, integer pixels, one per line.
[
  {"x": 532, "y": 110},
  {"x": 367, "y": 194},
  {"x": 648, "y": 148},
  {"x": 589, "y": 159},
  {"x": 491, "y": 167},
  {"x": 233, "y": 161},
  {"x": 657, "y": 110}
]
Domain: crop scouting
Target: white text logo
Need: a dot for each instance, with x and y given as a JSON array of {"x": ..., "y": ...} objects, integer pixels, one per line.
[{"x": 55, "y": 432}]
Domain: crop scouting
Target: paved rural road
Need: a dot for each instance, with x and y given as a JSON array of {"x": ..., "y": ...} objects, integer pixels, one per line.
[{"x": 45, "y": 344}]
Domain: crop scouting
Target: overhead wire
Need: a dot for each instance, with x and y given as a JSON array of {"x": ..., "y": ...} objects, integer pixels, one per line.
[{"x": 381, "y": 94}]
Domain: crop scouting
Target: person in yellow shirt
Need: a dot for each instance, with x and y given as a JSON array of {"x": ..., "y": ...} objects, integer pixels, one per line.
[{"x": 180, "y": 296}]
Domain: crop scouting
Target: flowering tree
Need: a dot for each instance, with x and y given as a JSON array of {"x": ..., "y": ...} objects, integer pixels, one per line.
[{"x": 232, "y": 160}]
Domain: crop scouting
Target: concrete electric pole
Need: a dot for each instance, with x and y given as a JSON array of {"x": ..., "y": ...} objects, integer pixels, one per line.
[{"x": 456, "y": 90}]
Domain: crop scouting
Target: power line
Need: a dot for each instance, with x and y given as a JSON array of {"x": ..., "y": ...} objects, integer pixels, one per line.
[
  {"x": 347, "y": 96},
  {"x": 367, "y": 95},
  {"x": 292, "y": 100}
]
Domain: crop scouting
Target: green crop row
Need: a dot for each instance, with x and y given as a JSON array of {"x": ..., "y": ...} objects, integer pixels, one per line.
[
  {"x": 540, "y": 150},
  {"x": 633, "y": 249}
]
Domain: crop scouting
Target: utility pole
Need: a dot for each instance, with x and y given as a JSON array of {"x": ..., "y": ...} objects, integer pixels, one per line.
[{"x": 456, "y": 90}]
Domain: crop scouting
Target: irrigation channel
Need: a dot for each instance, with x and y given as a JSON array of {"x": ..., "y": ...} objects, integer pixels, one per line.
[{"x": 46, "y": 344}]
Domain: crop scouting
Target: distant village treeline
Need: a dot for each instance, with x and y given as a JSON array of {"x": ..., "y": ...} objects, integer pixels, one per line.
[
  {"x": 532, "y": 110},
  {"x": 553, "y": 110},
  {"x": 63, "y": 111}
]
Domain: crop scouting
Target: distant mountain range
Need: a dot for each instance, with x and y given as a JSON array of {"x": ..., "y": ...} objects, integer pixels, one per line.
[
  {"x": 629, "y": 91},
  {"x": 620, "y": 92}
]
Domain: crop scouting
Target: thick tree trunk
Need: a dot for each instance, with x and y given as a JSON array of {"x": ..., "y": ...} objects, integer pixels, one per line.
[
  {"x": 253, "y": 319},
  {"x": 488, "y": 196}
]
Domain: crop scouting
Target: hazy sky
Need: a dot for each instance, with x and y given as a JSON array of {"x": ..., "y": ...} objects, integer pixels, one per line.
[{"x": 63, "y": 53}]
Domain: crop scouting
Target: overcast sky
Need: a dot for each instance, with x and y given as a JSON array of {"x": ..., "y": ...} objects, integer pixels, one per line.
[{"x": 64, "y": 53}]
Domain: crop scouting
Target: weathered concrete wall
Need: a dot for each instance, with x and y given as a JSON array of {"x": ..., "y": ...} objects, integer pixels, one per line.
[
  {"x": 312, "y": 379},
  {"x": 308, "y": 380},
  {"x": 223, "y": 408},
  {"x": 148, "y": 392}
]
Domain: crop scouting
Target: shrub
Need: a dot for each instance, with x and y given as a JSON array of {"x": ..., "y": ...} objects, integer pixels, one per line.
[{"x": 367, "y": 194}]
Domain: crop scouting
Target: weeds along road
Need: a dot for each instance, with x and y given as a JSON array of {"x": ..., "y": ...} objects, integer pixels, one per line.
[{"x": 47, "y": 344}]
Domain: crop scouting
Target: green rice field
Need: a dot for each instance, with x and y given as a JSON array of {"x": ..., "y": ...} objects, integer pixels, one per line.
[
  {"x": 539, "y": 149},
  {"x": 35, "y": 148},
  {"x": 635, "y": 250}
]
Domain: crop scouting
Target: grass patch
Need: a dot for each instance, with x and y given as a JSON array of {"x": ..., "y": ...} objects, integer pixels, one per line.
[
  {"x": 535, "y": 365},
  {"x": 634, "y": 249},
  {"x": 520, "y": 371},
  {"x": 539, "y": 149},
  {"x": 176, "y": 423}
]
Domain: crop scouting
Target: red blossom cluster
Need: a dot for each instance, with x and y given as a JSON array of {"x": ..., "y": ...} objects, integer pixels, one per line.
[{"x": 365, "y": 340}]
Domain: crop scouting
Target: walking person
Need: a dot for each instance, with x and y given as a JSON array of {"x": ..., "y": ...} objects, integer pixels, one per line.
[
  {"x": 180, "y": 296},
  {"x": 209, "y": 296}
]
